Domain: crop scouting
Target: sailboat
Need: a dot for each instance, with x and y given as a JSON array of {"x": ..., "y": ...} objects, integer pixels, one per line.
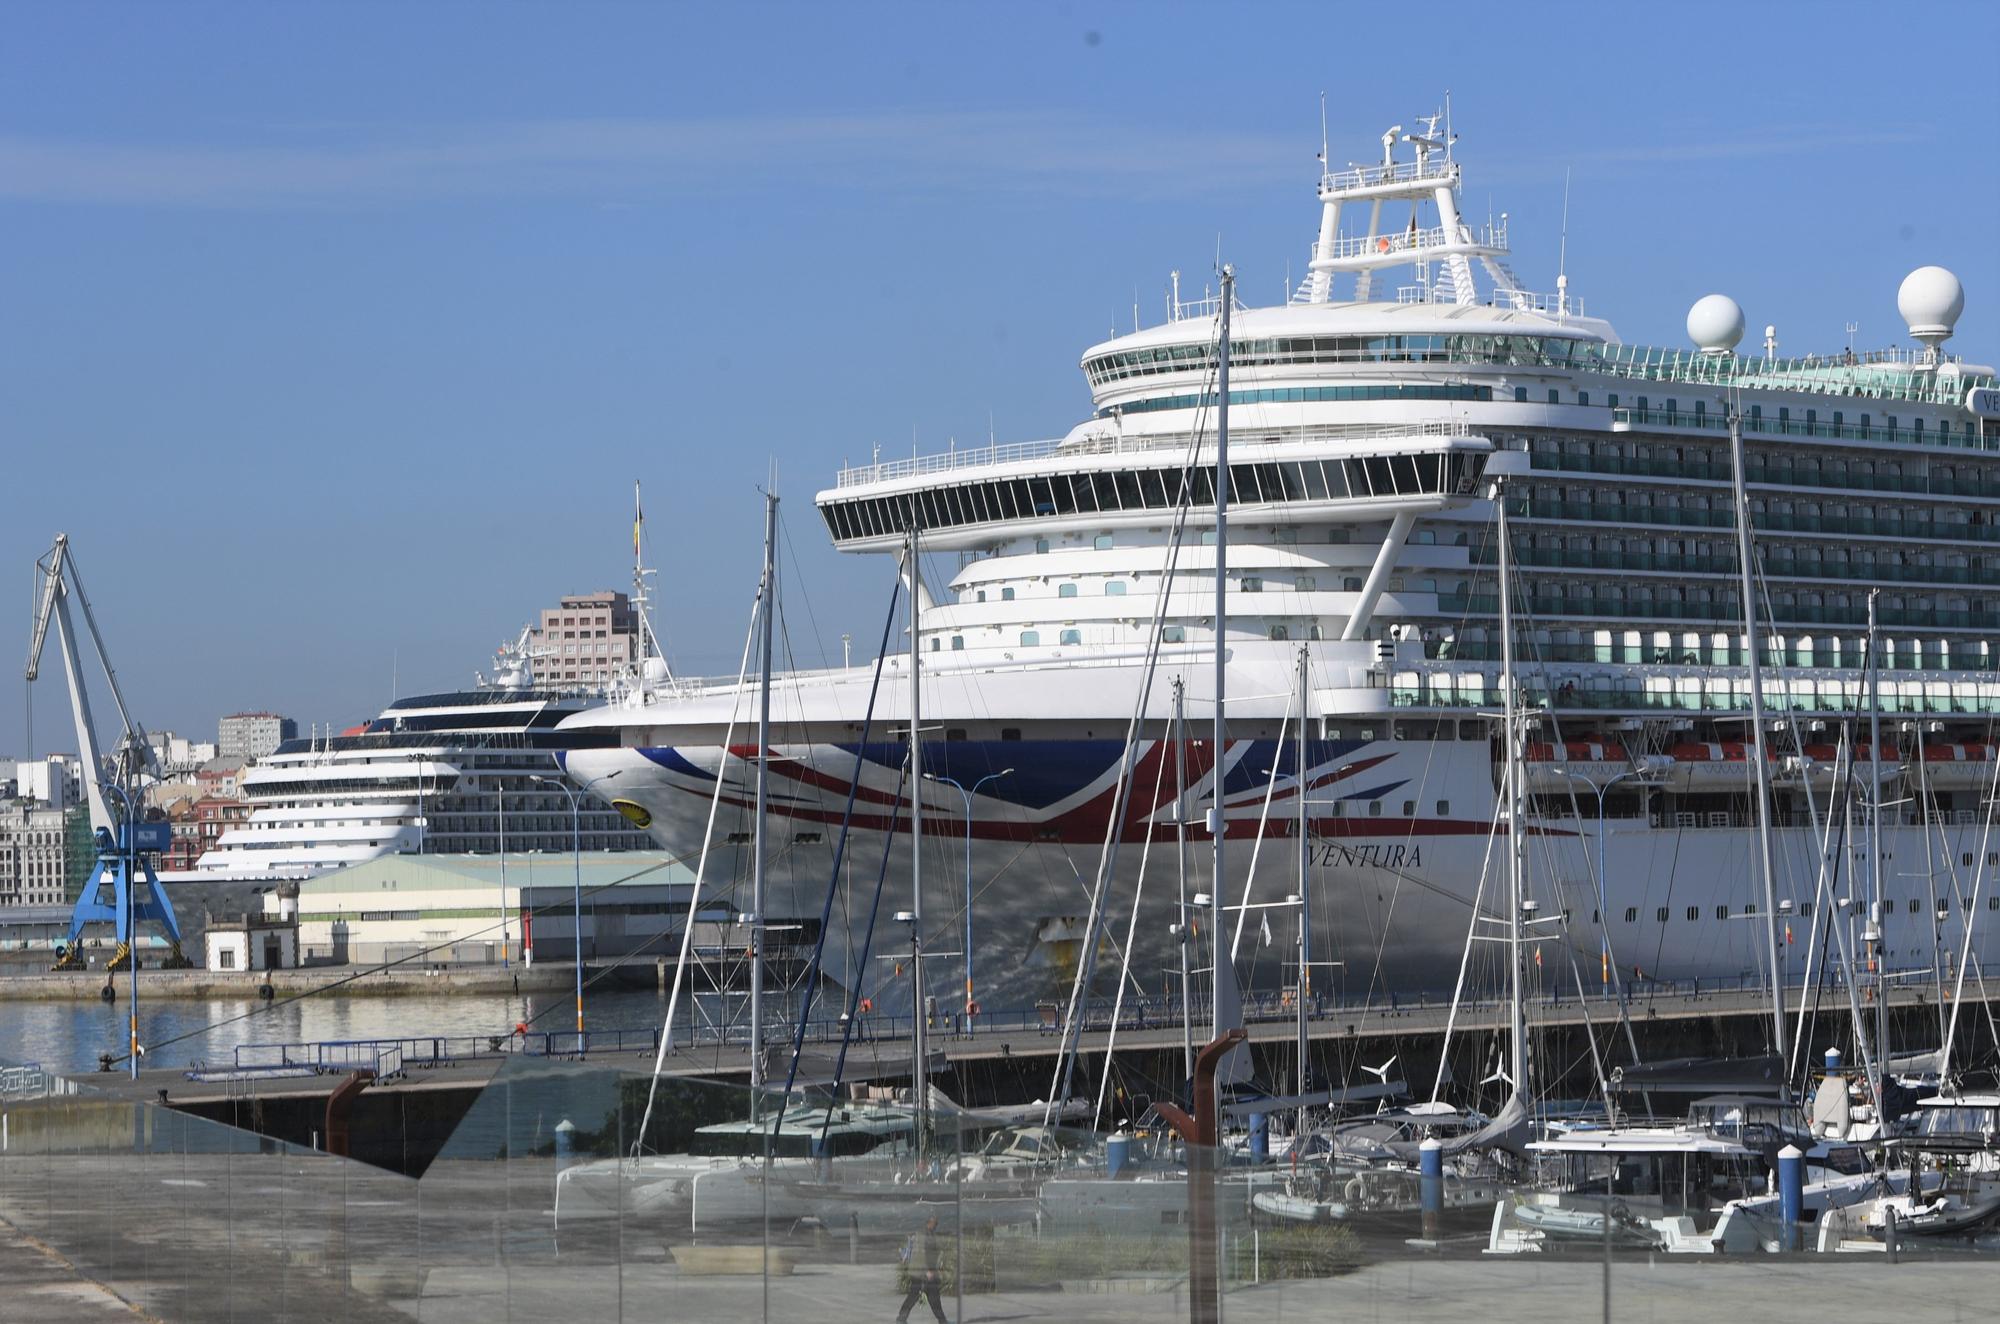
[{"x": 1372, "y": 1166}]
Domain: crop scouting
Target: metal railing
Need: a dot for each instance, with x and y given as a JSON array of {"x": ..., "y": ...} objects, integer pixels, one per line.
[
  {"x": 1114, "y": 443},
  {"x": 393, "y": 1057},
  {"x": 1396, "y": 172},
  {"x": 1390, "y": 243},
  {"x": 31, "y": 1081}
]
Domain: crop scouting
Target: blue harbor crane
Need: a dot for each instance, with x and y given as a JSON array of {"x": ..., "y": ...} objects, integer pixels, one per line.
[{"x": 123, "y": 890}]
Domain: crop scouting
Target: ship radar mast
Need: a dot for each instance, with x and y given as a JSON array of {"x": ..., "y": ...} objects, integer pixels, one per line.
[
  {"x": 1448, "y": 257},
  {"x": 650, "y": 665}
]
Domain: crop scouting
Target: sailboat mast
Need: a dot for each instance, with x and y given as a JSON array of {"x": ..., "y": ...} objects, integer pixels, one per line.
[
  {"x": 1876, "y": 909},
  {"x": 763, "y": 774},
  {"x": 1759, "y": 763},
  {"x": 1304, "y": 993},
  {"x": 1517, "y": 1023},
  {"x": 1181, "y": 845},
  {"x": 919, "y": 1038},
  {"x": 1217, "y": 824}
]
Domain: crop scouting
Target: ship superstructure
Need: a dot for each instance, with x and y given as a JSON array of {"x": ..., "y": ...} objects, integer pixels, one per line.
[
  {"x": 1368, "y": 421},
  {"x": 449, "y": 773}
]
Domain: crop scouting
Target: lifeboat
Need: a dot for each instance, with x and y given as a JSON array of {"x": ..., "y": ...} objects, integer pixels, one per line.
[
  {"x": 1949, "y": 767},
  {"x": 1596, "y": 761}
]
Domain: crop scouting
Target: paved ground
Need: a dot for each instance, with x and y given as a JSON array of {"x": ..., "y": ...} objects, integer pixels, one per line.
[
  {"x": 37, "y": 1283},
  {"x": 1473, "y": 1291},
  {"x": 195, "y": 1226}
]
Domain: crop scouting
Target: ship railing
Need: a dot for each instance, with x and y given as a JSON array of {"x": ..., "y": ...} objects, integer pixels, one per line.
[
  {"x": 1397, "y": 172},
  {"x": 1392, "y": 242},
  {"x": 1537, "y": 301},
  {"x": 1109, "y": 442},
  {"x": 1889, "y": 374},
  {"x": 1187, "y": 310}
]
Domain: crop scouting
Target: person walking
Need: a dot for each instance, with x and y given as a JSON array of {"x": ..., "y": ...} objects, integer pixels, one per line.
[{"x": 930, "y": 1281}]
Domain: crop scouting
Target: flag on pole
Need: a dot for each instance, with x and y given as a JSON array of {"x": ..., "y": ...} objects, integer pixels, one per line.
[
  {"x": 1264, "y": 928},
  {"x": 638, "y": 518}
]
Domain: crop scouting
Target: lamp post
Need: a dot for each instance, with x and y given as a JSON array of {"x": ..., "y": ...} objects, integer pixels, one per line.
[
  {"x": 127, "y": 857},
  {"x": 576, "y": 851},
  {"x": 971, "y": 1007},
  {"x": 1647, "y": 764}
]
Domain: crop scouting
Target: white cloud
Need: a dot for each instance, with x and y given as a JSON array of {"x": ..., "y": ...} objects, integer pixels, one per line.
[{"x": 622, "y": 159}]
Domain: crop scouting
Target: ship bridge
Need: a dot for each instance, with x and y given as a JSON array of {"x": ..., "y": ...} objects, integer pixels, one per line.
[{"x": 1106, "y": 480}]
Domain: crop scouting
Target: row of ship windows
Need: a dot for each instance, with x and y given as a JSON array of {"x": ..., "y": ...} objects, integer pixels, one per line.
[
  {"x": 1780, "y": 468},
  {"x": 1629, "y": 506},
  {"x": 1110, "y": 492},
  {"x": 1512, "y": 351},
  {"x": 1666, "y": 648},
  {"x": 1645, "y": 502},
  {"x": 1805, "y": 910},
  {"x": 1633, "y": 597},
  {"x": 1169, "y": 634},
  {"x": 1296, "y": 395},
  {"x": 1669, "y": 601},
  {"x": 1783, "y": 557},
  {"x": 1754, "y": 420},
  {"x": 1273, "y": 351},
  {"x": 1115, "y": 588}
]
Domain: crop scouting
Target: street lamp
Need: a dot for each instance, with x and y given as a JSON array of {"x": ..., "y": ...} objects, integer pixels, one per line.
[
  {"x": 576, "y": 851},
  {"x": 971, "y": 1007},
  {"x": 1646, "y": 764},
  {"x": 127, "y": 858}
]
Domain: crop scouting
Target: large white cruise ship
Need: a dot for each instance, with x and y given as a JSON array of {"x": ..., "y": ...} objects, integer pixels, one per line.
[
  {"x": 445, "y": 773},
  {"x": 1364, "y": 417}
]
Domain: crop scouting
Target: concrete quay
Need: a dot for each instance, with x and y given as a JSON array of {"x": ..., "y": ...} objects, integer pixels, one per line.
[{"x": 413, "y": 980}]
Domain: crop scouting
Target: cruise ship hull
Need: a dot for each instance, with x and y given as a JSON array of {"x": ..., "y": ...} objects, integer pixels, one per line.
[{"x": 1401, "y": 853}]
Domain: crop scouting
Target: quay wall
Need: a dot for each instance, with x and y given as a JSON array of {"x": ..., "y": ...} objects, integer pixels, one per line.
[{"x": 335, "y": 981}]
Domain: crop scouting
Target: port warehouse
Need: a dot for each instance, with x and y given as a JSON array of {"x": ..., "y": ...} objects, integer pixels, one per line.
[
  {"x": 449, "y": 906},
  {"x": 455, "y": 908}
]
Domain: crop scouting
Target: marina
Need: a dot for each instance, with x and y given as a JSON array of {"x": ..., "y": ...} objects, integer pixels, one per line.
[{"x": 1378, "y": 795}]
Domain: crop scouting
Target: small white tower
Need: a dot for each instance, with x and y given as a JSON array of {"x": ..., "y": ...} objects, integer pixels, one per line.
[
  {"x": 1715, "y": 324},
  {"x": 1930, "y": 300}
]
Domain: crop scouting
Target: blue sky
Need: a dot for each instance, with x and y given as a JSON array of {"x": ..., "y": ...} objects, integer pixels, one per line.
[{"x": 335, "y": 335}]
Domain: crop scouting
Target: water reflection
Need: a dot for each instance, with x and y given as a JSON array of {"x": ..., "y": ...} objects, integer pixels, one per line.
[{"x": 68, "y": 1036}]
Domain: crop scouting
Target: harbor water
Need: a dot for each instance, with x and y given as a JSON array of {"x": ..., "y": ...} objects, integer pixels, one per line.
[{"x": 67, "y": 1037}]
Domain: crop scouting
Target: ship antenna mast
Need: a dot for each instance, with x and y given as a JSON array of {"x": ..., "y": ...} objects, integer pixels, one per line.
[
  {"x": 1562, "y": 253},
  {"x": 1323, "y": 148},
  {"x": 642, "y": 598}
]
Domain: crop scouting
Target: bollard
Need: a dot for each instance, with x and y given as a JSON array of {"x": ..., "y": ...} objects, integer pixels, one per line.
[
  {"x": 1117, "y": 1153},
  {"x": 854, "y": 1236},
  {"x": 1791, "y": 1192},
  {"x": 1430, "y": 1169},
  {"x": 1260, "y": 1138},
  {"x": 1889, "y": 1232},
  {"x": 565, "y": 1143}
]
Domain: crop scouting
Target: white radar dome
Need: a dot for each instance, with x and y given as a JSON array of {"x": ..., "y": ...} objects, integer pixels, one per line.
[
  {"x": 1715, "y": 323},
  {"x": 654, "y": 670},
  {"x": 1930, "y": 300}
]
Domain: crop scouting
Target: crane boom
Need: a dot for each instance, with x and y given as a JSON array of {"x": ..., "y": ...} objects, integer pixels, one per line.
[{"x": 59, "y": 581}]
